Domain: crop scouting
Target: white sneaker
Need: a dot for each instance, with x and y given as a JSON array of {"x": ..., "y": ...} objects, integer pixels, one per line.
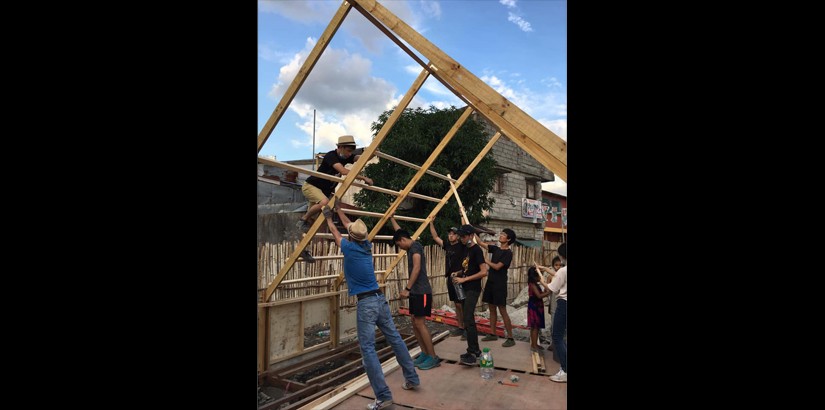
[
  {"x": 560, "y": 377},
  {"x": 378, "y": 405}
]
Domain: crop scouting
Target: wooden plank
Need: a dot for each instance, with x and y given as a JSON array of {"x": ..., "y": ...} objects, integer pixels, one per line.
[
  {"x": 411, "y": 165},
  {"x": 296, "y": 300},
  {"x": 263, "y": 358},
  {"x": 378, "y": 215},
  {"x": 306, "y": 400},
  {"x": 420, "y": 173},
  {"x": 333, "y": 178},
  {"x": 544, "y": 145},
  {"x": 299, "y": 79},
  {"x": 446, "y": 197},
  {"x": 285, "y": 331},
  {"x": 344, "y": 392},
  {"x": 334, "y": 337},
  {"x": 325, "y": 277},
  {"x": 346, "y": 235}
]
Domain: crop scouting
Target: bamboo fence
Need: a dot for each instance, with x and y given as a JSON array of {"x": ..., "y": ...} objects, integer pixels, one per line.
[{"x": 271, "y": 256}]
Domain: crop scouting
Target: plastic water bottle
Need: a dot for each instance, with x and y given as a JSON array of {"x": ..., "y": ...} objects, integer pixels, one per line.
[
  {"x": 487, "y": 370},
  {"x": 323, "y": 333},
  {"x": 459, "y": 291}
]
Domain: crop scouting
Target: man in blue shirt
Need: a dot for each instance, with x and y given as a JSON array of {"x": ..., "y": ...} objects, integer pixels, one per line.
[{"x": 373, "y": 309}]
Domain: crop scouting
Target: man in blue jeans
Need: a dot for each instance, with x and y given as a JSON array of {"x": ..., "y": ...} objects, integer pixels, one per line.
[{"x": 373, "y": 309}]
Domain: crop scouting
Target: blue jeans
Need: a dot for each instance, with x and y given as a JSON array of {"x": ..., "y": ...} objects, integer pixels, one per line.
[
  {"x": 559, "y": 326},
  {"x": 374, "y": 310},
  {"x": 470, "y": 300}
]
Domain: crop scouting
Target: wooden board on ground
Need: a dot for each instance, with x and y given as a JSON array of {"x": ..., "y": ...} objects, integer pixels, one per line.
[
  {"x": 452, "y": 386},
  {"x": 518, "y": 357}
]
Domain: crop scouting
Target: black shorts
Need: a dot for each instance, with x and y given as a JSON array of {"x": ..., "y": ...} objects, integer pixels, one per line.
[
  {"x": 421, "y": 305},
  {"x": 495, "y": 292},
  {"x": 451, "y": 291}
]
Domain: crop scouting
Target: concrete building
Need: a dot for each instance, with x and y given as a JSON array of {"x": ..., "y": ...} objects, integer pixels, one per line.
[{"x": 517, "y": 191}]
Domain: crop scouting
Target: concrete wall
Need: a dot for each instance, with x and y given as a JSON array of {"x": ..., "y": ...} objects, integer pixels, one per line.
[{"x": 517, "y": 168}]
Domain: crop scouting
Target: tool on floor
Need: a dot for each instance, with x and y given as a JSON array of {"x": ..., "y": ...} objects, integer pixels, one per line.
[{"x": 507, "y": 384}]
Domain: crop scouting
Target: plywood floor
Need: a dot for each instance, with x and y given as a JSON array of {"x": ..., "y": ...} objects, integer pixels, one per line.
[{"x": 453, "y": 386}]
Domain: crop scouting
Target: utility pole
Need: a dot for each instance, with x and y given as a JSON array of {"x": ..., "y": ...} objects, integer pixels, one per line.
[{"x": 313, "y": 140}]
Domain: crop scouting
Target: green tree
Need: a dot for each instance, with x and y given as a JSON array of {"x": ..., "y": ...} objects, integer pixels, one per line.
[{"x": 413, "y": 138}]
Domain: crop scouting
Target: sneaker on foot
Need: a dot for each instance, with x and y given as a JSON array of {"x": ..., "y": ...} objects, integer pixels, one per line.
[
  {"x": 509, "y": 342},
  {"x": 457, "y": 332},
  {"x": 307, "y": 257},
  {"x": 432, "y": 361},
  {"x": 303, "y": 225},
  {"x": 560, "y": 377},
  {"x": 378, "y": 404},
  {"x": 420, "y": 359},
  {"x": 489, "y": 338},
  {"x": 468, "y": 359},
  {"x": 409, "y": 386}
]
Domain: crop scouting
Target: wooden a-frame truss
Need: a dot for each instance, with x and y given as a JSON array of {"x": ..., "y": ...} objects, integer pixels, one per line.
[{"x": 533, "y": 137}]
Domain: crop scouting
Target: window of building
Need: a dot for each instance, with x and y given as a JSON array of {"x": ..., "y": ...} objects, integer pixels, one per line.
[
  {"x": 498, "y": 184},
  {"x": 531, "y": 189}
]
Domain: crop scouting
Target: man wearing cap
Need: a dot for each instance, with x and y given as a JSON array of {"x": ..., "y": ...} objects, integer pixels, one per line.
[
  {"x": 372, "y": 309},
  {"x": 455, "y": 253},
  {"x": 318, "y": 190},
  {"x": 475, "y": 269},
  {"x": 495, "y": 290}
]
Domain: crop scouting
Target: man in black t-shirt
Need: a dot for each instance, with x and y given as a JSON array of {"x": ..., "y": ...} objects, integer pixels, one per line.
[
  {"x": 455, "y": 253},
  {"x": 495, "y": 290},
  {"x": 318, "y": 190},
  {"x": 475, "y": 268}
]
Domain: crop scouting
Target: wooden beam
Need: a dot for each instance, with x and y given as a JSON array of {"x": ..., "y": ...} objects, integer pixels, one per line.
[
  {"x": 356, "y": 169},
  {"x": 378, "y": 215},
  {"x": 333, "y": 178},
  {"x": 420, "y": 173},
  {"x": 342, "y": 393},
  {"x": 296, "y": 300},
  {"x": 299, "y": 79},
  {"x": 346, "y": 235},
  {"x": 263, "y": 321},
  {"x": 544, "y": 145},
  {"x": 434, "y": 212},
  {"x": 333, "y": 321},
  {"x": 411, "y": 165}
]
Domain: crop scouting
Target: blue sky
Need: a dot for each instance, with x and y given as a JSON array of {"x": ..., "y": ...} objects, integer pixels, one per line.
[{"x": 517, "y": 47}]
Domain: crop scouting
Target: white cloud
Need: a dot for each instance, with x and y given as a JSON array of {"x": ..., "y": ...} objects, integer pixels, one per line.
[
  {"x": 303, "y": 11},
  {"x": 520, "y": 22},
  {"x": 548, "y": 104},
  {"x": 508, "y": 3},
  {"x": 346, "y": 97},
  {"x": 431, "y": 8},
  {"x": 339, "y": 83},
  {"x": 413, "y": 69}
]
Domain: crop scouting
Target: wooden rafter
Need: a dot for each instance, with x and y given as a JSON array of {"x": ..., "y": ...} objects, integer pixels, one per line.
[
  {"x": 434, "y": 212},
  {"x": 544, "y": 145},
  {"x": 356, "y": 169},
  {"x": 296, "y": 83},
  {"x": 420, "y": 173}
]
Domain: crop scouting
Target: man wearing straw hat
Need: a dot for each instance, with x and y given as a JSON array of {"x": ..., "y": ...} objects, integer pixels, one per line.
[
  {"x": 318, "y": 190},
  {"x": 373, "y": 309}
]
